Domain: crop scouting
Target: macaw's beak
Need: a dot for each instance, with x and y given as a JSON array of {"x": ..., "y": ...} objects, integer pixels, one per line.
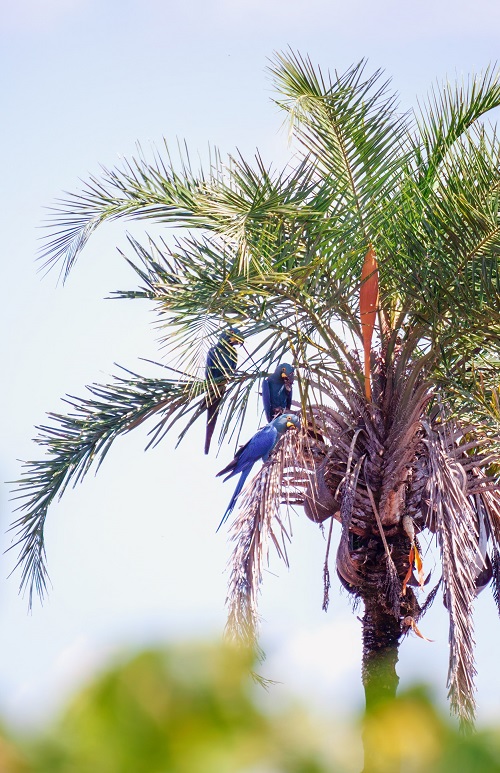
[
  {"x": 234, "y": 340},
  {"x": 287, "y": 381},
  {"x": 290, "y": 424}
]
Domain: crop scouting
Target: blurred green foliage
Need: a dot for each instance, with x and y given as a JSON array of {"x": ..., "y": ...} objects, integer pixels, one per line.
[
  {"x": 411, "y": 735},
  {"x": 194, "y": 709}
]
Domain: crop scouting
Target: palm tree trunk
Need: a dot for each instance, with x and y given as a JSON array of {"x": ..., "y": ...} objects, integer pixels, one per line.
[{"x": 381, "y": 635}]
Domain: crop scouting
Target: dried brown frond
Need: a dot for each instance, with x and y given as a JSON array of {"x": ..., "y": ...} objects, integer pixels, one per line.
[
  {"x": 430, "y": 599},
  {"x": 326, "y": 572},
  {"x": 455, "y": 523},
  {"x": 346, "y": 564},
  {"x": 257, "y": 525}
]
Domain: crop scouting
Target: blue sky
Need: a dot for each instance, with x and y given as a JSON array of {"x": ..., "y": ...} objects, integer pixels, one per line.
[{"x": 133, "y": 554}]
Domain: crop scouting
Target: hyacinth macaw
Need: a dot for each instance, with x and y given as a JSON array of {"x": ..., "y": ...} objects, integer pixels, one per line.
[
  {"x": 221, "y": 364},
  {"x": 277, "y": 391},
  {"x": 258, "y": 447}
]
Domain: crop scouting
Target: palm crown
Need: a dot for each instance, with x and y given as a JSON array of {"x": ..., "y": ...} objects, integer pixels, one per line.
[{"x": 389, "y": 215}]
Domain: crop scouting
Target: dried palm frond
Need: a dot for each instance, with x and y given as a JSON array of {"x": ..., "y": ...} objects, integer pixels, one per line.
[
  {"x": 429, "y": 601},
  {"x": 393, "y": 587},
  {"x": 420, "y": 469},
  {"x": 326, "y": 572},
  {"x": 257, "y": 525},
  {"x": 454, "y": 520},
  {"x": 346, "y": 565}
]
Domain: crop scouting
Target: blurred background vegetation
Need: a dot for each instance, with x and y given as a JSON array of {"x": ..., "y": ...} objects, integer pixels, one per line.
[{"x": 196, "y": 709}]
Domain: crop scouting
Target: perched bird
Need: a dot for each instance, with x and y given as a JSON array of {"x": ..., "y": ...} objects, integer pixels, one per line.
[
  {"x": 221, "y": 364},
  {"x": 277, "y": 391},
  {"x": 258, "y": 447}
]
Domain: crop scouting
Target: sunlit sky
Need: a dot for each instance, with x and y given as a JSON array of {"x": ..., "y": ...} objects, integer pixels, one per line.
[{"x": 133, "y": 554}]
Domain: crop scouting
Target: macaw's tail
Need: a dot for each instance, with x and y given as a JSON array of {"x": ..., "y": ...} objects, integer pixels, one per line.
[
  {"x": 212, "y": 413},
  {"x": 244, "y": 475},
  {"x": 231, "y": 467}
]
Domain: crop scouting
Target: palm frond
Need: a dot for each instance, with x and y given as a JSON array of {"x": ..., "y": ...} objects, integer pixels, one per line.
[
  {"x": 448, "y": 113},
  {"x": 257, "y": 525},
  {"x": 245, "y": 205},
  {"x": 141, "y": 189},
  {"x": 454, "y": 521},
  {"x": 76, "y": 441},
  {"x": 350, "y": 126},
  {"x": 196, "y": 285}
]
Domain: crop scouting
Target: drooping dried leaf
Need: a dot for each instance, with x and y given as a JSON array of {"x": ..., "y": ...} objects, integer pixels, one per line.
[
  {"x": 409, "y": 573},
  {"x": 409, "y": 623},
  {"x": 257, "y": 525},
  {"x": 455, "y": 524},
  {"x": 419, "y": 566}
]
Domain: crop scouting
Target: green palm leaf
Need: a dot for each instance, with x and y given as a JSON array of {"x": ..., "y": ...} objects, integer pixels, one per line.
[{"x": 76, "y": 441}]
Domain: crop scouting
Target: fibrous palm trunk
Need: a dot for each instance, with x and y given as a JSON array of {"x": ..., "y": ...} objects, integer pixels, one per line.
[{"x": 381, "y": 636}]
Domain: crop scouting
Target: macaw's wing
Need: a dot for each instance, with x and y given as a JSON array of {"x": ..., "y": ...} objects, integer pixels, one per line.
[
  {"x": 212, "y": 371},
  {"x": 232, "y": 465},
  {"x": 276, "y": 389},
  {"x": 289, "y": 397},
  {"x": 273, "y": 442},
  {"x": 266, "y": 399},
  {"x": 256, "y": 448},
  {"x": 221, "y": 361}
]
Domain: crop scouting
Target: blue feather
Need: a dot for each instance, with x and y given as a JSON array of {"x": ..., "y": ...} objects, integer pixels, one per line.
[
  {"x": 220, "y": 366},
  {"x": 277, "y": 391},
  {"x": 260, "y": 446}
]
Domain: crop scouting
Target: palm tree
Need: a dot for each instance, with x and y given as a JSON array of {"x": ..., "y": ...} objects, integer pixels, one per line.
[{"x": 372, "y": 260}]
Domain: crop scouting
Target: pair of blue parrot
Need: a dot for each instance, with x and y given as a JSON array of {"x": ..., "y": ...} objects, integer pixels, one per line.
[{"x": 277, "y": 399}]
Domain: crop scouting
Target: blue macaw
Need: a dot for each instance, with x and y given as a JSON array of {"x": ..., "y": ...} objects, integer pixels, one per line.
[
  {"x": 258, "y": 447},
  {"x": 221, "y": 364},
  {"x": 277, "y": 391}
]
